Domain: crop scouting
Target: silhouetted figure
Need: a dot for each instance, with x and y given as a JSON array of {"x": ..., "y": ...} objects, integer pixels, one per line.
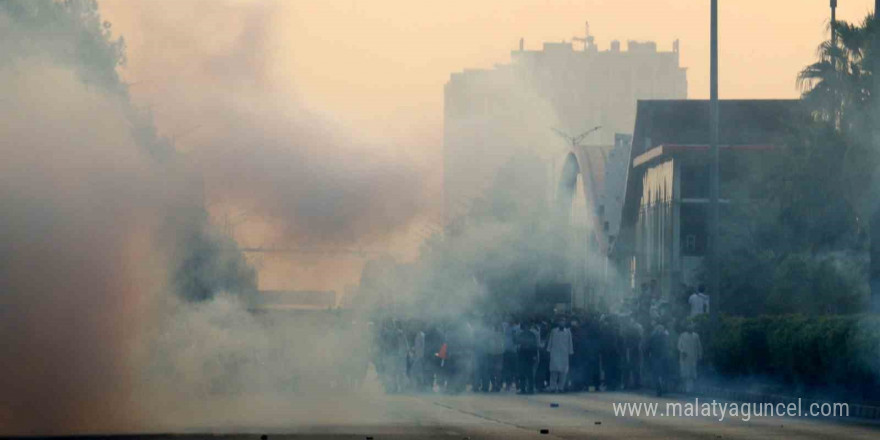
[
  {"x": 699, "y": 302},
  {"x": 542, "y": 374},
  {"x": 527, "y": 359},
  {"x": 418, "y": 367},
  {"x": 610, "y": 352},
  {"x": 559, "y": 348},
  {"x": 690, "y": 351},
  {"x": 480, "y": 380},
  {"x": 578, "y": 372},
  {"x": 658, "y": 357},
  {"x": 494, "y": 358},
  {"x": 510, "y": 370},
  {"x": 434, "y": 340},
  {"x": 632, "y": 341}
]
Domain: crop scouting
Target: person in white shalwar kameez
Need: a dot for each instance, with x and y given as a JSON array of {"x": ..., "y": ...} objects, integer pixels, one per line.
[
  {"x": 560, "y": 348},
  {"x": 691, "y": 351}
]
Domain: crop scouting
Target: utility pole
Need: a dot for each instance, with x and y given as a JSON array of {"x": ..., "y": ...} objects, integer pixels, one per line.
[
  {"x": 714, "y": 183},
  {"x": 833, "y": 20},
  {"x": 874, "y": 272}
]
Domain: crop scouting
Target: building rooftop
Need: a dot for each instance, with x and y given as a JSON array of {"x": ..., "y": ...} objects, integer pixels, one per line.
[
  {"x": 686, "y": 122},
  {"x": 672, "y": 127}
]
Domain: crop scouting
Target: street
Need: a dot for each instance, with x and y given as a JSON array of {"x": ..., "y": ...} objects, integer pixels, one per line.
[{"x": 507, "y": 415}]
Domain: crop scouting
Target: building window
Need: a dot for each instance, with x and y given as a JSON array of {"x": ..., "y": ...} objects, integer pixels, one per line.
[
  {"x": 690, "y": 243},
  {"x": 693, "y": 229},
  {"x": 694, "y": 182}
]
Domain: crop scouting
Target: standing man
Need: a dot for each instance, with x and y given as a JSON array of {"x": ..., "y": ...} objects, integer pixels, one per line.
[
  {"x": 434, "y": 340},
  {"x": 480, "y": 381},
  {"x": 527, "y": 359},
  {"x": 418, "y": 368},
  {"x": 579, "y": 359},
  {"x": 631, "y": 335},
  {"x": 560, "y": 347},
  {"x": 397, "y": 348},
  {"x": 542, "y": 372},
  {"x": 658, "y": 309},
  {"x": 690, "y": 351},
  {"x": 592, "y": 356},
  {"x": 494, "y": 358},
  {"x": 699, "y": 302},
  {"x": 509, "y": 368},
  {"x": 658, "y": 347}
]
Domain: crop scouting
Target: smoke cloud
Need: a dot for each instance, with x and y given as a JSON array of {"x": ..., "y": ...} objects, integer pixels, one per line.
[
  {"x": 304, "y": 174},
  {"x": 81, "y": 203},
  {"x": 122, "y": 308},
  {"x": 103, "y": 223}
]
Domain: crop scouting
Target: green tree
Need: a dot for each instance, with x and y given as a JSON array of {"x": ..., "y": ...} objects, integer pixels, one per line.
[
  {"x": 72, "y": 34},
  {"x": 69, "y": 32},
  {"x": 792, "y": 239},
  {"x": 840, "y": 88}
]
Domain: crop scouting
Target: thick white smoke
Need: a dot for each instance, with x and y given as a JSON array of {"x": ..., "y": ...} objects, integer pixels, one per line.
[{"x": 98, "y": 220}]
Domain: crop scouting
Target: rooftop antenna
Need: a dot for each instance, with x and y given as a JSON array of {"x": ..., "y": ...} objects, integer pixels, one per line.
[{"x": 587, "y": 39}]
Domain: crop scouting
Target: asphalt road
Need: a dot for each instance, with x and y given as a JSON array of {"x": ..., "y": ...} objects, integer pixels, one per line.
[{"x": 510, "y": 416}]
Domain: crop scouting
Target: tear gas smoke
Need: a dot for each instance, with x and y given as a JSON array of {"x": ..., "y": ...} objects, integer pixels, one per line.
[
  {"x": 304, "y": 174},
  {"x": 103, "y": 223},
  {"x": 81, "y": 205}
]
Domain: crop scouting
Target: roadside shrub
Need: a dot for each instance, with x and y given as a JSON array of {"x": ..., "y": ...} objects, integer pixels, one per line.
[{"x": 840, "y": 352}]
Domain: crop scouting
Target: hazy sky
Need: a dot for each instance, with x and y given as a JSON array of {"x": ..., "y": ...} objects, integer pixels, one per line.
[
  {"x": 381, "y": 64},
  {"x": 378, "y": 66}
]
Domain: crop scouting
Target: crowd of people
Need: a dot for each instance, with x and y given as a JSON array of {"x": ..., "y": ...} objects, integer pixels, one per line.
[{"x": 652, "y": 342}]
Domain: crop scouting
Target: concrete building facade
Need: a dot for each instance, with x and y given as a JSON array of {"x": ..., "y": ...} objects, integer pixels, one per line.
[
  {"x": 664, "y": 227},
  {"x": 492, "y": 116}
]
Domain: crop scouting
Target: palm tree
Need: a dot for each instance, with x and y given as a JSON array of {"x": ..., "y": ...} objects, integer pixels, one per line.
[
  {"x": 839, "y": 89},
  {"x": 838, "y": 86}
]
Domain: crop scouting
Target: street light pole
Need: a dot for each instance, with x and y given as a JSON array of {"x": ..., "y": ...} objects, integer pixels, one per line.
[
  {"x": 833, "y": 19},
  {"x": 874, "y": 272},
  {"x": 714, "y": 184}
]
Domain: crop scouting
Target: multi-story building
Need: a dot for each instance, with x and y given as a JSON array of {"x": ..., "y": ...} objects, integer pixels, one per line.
[
  {"x": 495, "y": 115},
  {"x": 664, "y": 227}
]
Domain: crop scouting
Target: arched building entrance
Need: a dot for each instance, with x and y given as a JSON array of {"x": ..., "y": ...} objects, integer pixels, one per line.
[{"x": 579, "y": 210}]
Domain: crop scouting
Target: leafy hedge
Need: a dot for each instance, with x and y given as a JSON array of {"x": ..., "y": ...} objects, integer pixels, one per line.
[{"x": 828, "y": 351}]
